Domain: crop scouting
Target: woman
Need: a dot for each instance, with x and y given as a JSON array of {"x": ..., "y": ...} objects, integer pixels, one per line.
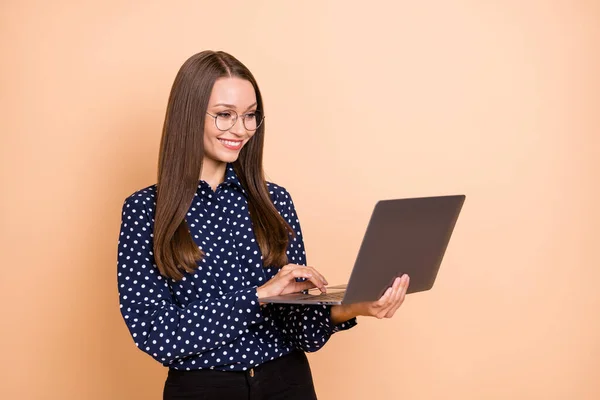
[{"x": 199, "y": 249}]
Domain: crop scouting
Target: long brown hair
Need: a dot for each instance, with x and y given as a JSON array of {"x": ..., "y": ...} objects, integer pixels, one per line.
[{"x": 180, "y": 165}]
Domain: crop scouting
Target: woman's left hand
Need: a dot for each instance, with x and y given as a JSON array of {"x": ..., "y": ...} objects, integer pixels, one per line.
[{"x": 385, "y": 307}]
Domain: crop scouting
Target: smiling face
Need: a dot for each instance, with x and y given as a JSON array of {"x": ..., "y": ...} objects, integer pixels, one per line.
[{"x": 228, "y": 94}]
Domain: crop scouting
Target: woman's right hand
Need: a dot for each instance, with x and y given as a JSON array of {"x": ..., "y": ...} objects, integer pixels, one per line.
[{"x": 285, "y": 281}]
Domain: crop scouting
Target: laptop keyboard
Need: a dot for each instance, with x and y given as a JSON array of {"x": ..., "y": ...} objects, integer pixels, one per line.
[{"x": 327, "y": 296}]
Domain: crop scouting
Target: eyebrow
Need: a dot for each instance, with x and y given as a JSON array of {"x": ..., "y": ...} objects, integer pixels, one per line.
[{"x": 232, "y": 106}]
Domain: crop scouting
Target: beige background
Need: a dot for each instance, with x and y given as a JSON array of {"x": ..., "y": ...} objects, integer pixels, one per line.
[{"x": 364, "y": 100}]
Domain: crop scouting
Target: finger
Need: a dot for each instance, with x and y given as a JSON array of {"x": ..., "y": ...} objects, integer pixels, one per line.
[
  {"x": 322, "y": 277},
  {"x": 316, "y": 277},
  {"x": 399, "y": 298},
  {"x": 287, "y": 267},
  {"x": 317, "y": 273},
  {"x": 304, "y": 273},
  {"x": 284, "y": 278},
  {"x": 389, "y": 304},
  {"x": 395, "y": 289},
  {"x": 395, "y": 306},
  {"x": 300, "y": 272},
  {"x": 376, "y": 308},
  {"x": 297, "y": 287},
  {"x": 405, "y": 286},
  {"x": 290, "y": 268},
  {"x": 305, "y": 285},
  {"x": 383, "y": 299}
]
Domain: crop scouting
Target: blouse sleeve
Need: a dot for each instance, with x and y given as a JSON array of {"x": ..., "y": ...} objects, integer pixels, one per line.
[
  {"x": 159, "y": 327},
  {"x": 308, "y": 327}
]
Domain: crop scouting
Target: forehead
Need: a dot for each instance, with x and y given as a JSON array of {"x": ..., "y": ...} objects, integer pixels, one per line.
[{"x": 235, "y": 91}]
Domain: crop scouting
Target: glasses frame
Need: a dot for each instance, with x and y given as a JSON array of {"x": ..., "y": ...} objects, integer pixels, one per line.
[{"x": 235, "y": 119}]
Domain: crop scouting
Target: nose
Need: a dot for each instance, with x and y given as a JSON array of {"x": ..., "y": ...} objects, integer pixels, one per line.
[{"x": 238, "y": 128}]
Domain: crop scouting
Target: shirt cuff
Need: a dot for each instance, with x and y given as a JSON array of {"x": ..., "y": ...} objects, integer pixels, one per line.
[{"x": 247, "y": 302}]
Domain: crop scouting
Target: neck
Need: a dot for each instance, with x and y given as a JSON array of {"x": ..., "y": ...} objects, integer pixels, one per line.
[{"x": 213, "y": 173}]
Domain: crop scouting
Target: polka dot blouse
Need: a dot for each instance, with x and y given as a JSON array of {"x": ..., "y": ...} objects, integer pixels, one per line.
[{"x": 212, "y": 318}]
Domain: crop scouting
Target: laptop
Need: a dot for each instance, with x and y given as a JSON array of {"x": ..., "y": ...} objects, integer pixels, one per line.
[{"x": 403, "y": 236}]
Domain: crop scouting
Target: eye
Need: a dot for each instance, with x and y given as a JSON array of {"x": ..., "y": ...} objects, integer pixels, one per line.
[
  {"x": 224, "y": 114},
  {"x": 251, "y": 115}
]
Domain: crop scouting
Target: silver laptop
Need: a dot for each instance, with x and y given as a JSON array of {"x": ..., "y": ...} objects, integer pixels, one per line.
[{"x": 403, "y": 236}]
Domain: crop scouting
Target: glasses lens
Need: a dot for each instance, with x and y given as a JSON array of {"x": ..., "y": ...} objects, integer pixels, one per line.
[
  {"x": 225, "y": 120},
  {"x": 252, "y": 120}
]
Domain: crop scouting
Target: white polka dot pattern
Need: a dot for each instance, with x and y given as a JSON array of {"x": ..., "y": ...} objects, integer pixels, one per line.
[{"x": 212, "y": 318}]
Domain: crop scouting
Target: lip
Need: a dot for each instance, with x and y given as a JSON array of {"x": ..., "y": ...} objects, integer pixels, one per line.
[{"x": 237, "y": 146}]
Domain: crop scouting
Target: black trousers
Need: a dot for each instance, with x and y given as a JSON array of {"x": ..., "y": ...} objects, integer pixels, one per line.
[{"x": 288, "y": 377}]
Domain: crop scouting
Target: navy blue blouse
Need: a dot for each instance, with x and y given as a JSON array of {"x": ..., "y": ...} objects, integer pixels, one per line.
[{"x": 212, "y": 317}]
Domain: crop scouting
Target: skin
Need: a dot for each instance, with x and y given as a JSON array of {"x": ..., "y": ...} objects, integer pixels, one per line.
[{"x": 239, "y": 96}]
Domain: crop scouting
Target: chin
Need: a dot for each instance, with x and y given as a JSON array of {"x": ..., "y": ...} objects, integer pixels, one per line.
[{"x": 228, "y": 157}]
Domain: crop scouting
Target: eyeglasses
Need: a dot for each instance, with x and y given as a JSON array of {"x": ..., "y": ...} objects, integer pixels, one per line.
[{"x": 225, "y": 120}]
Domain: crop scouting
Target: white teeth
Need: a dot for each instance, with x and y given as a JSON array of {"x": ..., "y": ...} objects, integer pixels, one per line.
[{"x": 230, "y": 143}]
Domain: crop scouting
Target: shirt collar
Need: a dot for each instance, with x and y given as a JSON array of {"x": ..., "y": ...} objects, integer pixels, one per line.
[{"x": 231, "y": 179}]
